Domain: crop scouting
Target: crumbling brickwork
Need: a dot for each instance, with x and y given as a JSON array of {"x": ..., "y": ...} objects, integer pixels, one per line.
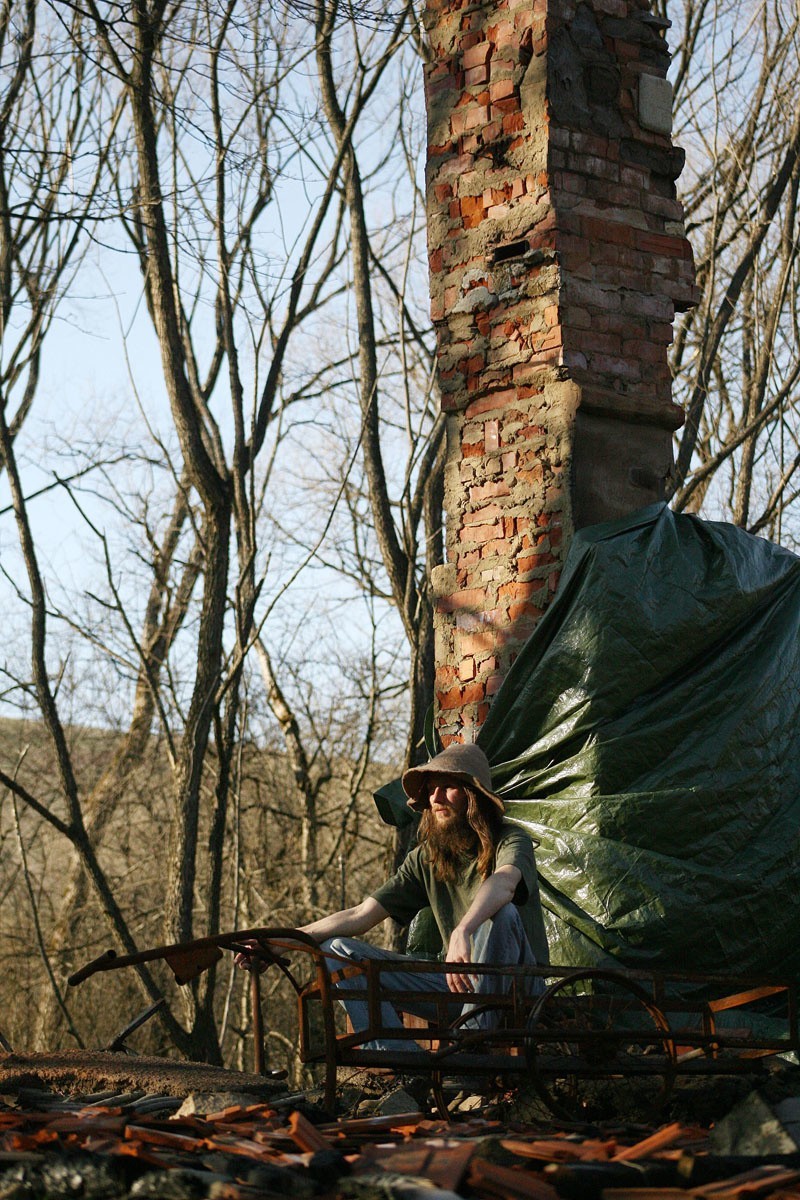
[{"x": 557, "y": 259}]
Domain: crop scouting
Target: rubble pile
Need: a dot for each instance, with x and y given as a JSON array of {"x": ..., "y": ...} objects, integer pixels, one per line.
[{"x": 108, "y": 1145}]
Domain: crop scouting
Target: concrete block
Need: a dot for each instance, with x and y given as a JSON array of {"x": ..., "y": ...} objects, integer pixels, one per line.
[
  {"x": 654, "y": 103},
  {"x": 754, "y": 1126}
]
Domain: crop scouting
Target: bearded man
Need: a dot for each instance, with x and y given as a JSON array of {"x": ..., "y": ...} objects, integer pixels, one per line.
[{"x": 477, "y": 873}]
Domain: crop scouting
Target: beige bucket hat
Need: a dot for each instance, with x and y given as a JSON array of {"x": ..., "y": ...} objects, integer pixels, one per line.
[{"x": 465, "y": 764}]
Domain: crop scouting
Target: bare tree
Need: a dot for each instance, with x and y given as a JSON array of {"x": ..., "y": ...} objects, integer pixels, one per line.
[
  {"x": 736, "y": 356},
  {"x": 206, "y": 138},
  {"x": 406, "y": 564},
  {"x": 56, "y": 128}
]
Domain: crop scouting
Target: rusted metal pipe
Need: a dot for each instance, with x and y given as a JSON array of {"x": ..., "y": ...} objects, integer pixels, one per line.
[{"x": 258, "y": 1023}]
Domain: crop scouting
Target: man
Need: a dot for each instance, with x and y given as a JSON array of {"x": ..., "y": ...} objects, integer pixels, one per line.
[{"x": 473, "y": 868}]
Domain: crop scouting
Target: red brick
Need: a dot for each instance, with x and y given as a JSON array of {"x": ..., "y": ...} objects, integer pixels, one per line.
[
  {"x": 495, "y": 549},
  {"x": 458, "y": 123},
  {"x": 473, "y": 692},
  {"x": 516, "y": 611},
  {"x": 438, "y": 87},
  {"x": 672, "y": 210},
  {"x": 612, "y": 365},
  {"x": 595, "y": 167},
  {"x": 475, "y": 643},
  {"x": 552, "y": 339},
  {"x": 568, "y": 181},
  {"x": 476, "y": 75},
  {"x": 487, "y": 490},
  {"x": 487, "y": 403},
  {"x": 489, "y": 512},
  {"x": 466, "y": 669},
  {"x": 532, "y": 561},
  {"x": 600, "y": 343},
  {"x": 503, "y": 34},
  {"x": 634, "y": 177},
  {"x": 493, "y": 684},
  {"x": 467, "y": 600},
  {"x": 483, "y": 323},
  {"x": 501, "y": 90},
  {"x": 662, "y": 243},
  {"x": 491, "y": 436},
  {"x": 520, "y": 591},
  {"x": 513, "y": 123},
  {"x": 502, "y": 108},
  {"x": 480, "y": 533},
  {"x": 616, "y": 232},
  {"x": 437, "y": 70},
  {"x": 588, "y": 143},
  {"x": 649, "y": 352},
  {"x": 476, "y": 55},
  {"x": 659, "y": 307}
]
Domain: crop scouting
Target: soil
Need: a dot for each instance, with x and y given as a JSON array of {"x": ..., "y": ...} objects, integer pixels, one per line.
[{"x": 78, "y": 1072}]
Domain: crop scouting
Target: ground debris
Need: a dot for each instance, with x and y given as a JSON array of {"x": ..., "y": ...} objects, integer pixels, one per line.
[
  {"x": 120, "y": 1145},
  {"x": 80, "y": 1072}
]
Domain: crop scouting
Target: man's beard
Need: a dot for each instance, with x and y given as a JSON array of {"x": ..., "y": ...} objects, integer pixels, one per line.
[{"x": 451, "y": 845}]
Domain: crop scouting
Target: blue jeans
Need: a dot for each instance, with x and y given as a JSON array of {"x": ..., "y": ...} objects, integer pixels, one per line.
[{"x": 501, "y": 941}]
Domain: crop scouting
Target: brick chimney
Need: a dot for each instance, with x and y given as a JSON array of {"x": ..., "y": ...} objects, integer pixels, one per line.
[{"x": 558, "y": 259}]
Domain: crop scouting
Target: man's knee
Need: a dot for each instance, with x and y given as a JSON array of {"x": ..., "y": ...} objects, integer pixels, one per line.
[
  {"x": 339, "y": 952},
  {"x": 344, "y": 947},
  {"x": 504, "y": 927},
  {"x": 507, "y": 918},
  {"x": 501, "y": 939}
]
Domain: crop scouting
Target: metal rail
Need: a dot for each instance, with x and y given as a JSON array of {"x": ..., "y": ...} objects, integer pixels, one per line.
[{"x": 545, "y": 1023}]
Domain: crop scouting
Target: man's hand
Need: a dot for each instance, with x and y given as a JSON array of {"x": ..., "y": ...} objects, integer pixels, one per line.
[
  {"x": 459, "y": 950},
  {"x": 350, "y": 922},
  {"x": 247, "y": 960}
]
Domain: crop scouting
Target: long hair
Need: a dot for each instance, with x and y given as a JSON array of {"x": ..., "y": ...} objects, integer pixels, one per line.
[{"x": 449, "y": 850}]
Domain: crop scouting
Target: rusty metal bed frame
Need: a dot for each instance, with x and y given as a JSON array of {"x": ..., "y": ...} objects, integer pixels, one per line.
[{"x": 587, "y": 1023}]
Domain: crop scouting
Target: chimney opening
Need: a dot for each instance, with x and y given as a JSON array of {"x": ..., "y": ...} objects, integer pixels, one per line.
[{"x": 509, "y": 251}]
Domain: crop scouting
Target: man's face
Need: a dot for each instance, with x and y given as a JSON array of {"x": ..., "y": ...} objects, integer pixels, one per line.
[{"x": 447, "y": 799}]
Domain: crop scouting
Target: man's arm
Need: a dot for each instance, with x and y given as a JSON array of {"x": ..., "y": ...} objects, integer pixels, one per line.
[
  {"x": 347, "y": 923},
  {"x": 350, "y": 922},
  {"x": 496, "y": 891}
]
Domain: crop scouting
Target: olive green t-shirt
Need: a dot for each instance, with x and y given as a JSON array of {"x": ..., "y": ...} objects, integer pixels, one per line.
[{"x": 414, "y": 887}]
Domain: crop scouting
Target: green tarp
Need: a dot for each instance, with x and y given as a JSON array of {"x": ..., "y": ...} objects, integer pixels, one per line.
[{"x": 647, "y": 732}]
